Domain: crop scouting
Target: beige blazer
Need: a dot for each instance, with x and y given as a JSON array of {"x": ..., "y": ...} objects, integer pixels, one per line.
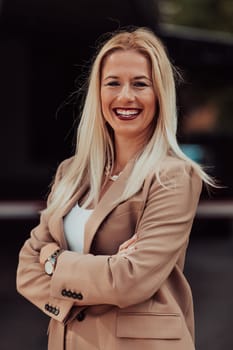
[{"x": 107, "y": 300}]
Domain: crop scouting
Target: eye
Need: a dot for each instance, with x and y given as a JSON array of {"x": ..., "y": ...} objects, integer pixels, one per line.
[
  {"x": 140, "y": 84},
  {"x": 113, "y": 83}
]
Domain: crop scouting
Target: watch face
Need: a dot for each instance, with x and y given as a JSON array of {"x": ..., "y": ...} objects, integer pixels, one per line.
[{"x": 48, "y": 267}]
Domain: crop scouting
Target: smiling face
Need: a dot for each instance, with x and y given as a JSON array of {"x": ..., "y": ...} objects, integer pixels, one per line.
[{"x": 128, "y": 98}]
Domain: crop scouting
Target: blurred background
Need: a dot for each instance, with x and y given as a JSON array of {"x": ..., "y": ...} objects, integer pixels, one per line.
[{"x": 45, "y": 50}]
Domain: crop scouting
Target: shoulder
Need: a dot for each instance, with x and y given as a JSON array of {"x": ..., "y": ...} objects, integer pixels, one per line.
[
  {"x": 175, "y": 172},
  {"x": 176, "y": 184},
  {"x": 173, "y": 165},
  {"x": 176, "y": 167}
]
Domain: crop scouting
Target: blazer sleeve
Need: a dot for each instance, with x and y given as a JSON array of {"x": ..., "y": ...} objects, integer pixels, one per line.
[
  {"x": 133, "y": 277},
  {"x": 32, "y": 281}
]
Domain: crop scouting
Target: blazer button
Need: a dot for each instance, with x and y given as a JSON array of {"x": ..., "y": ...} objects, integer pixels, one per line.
[
  {"x": 56, "y": 312},
  {"x": 79, "y": 296},
  {"x": 64, "y": 292},
  {"x": 80, "y": 316},
  {"x": 50, "y": 308},
  {"x": 69, "y": 293}
]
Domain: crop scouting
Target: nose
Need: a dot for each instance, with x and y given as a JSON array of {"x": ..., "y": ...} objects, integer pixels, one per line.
[{"x": 126, "y": 93}]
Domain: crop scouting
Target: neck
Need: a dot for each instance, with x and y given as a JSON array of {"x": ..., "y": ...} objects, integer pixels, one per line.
[{"x": 125, "y": 150}]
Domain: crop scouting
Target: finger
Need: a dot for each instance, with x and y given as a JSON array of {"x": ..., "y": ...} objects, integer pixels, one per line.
[
  {"x": 131, "y": 240},
  {"x": 127, "y": 243}
]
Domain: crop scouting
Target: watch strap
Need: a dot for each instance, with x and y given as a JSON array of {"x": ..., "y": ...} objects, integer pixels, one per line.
[{"x": 50, "y": 263}]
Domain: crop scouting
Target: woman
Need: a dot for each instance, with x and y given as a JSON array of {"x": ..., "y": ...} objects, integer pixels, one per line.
[{"x": 106, "y": 261}]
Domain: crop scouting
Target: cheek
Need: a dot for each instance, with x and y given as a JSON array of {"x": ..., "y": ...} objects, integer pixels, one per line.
[
  {"x": 105, "y": 105},
  {"x": 151, "y": 103},
  {"x": 105, "y": 99}
]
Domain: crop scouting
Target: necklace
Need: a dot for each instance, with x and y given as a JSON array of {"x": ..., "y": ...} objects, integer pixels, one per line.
[
  {"x": 111, "y": 177},
  {"x": 114, "y": 177}
]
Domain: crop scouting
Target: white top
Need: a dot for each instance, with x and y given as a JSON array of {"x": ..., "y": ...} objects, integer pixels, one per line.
[{"x": 74, "y": 225}]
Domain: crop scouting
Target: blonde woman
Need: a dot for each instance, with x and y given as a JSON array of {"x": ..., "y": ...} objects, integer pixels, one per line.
[{"x": 106, "y": 260}]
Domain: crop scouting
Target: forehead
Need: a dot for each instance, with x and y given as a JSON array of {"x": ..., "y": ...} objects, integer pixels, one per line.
[{"x": 126, "y": 62}]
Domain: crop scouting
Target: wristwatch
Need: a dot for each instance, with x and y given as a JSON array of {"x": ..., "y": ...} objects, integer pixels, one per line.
[{"x": 51, "y": 262}]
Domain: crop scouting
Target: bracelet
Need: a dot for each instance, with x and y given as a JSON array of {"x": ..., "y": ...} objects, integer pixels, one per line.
[{"x": 56, "y": 254}]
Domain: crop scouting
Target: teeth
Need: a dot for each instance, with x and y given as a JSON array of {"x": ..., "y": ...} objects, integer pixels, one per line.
[{"x": 127, "y": 111}]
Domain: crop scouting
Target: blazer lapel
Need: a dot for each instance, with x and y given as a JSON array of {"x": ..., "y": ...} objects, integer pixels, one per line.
[{"x": 105, "y": 206}]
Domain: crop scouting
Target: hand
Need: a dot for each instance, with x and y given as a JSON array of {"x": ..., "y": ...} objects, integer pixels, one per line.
[
  {"x": 128, "y": 245},
  {"x": 47, "y": 251}
]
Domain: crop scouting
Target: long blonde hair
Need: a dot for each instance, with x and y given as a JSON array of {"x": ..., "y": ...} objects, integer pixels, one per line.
[{"x": 95, "y": 146}]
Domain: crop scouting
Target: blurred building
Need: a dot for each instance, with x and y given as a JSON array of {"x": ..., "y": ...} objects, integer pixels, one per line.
[{"x": 45, "y": 49}]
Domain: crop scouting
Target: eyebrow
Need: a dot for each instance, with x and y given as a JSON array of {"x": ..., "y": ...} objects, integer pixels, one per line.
[
  {"x": 142, "y": 77},
  {"x": 111, "y": 77},
  {"x": 135, "y": 78}
]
